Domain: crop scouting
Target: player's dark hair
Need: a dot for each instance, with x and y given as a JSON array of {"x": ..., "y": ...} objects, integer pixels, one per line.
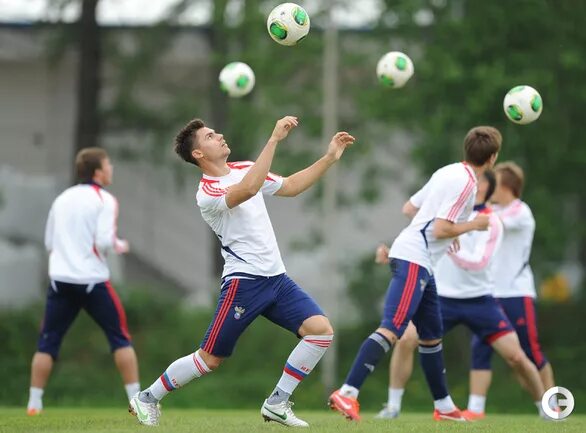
[
  {"x": 490, "y": 177},
  {"x": 511, "y": 177},
  {"x": 185, "y": 140},
  {"x": 87, "y": 161},
  {"x": 480, "y": 144}
]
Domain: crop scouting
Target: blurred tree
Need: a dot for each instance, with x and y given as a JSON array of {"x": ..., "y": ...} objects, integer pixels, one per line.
[
  {"x": 467, "y": 55},
  {"x": 87, "y": 127},
  {"x": 86, "y": 38}
]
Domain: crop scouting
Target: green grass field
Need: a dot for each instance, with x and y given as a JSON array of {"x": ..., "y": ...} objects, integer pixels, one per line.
[{"x": 14, "y": 420}]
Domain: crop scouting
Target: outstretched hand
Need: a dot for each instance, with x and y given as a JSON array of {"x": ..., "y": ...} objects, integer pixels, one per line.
[
  {"x": 339, "y": 143},
  {"x": 382, "y": 255},
  {"x": 283, "y": 127}
]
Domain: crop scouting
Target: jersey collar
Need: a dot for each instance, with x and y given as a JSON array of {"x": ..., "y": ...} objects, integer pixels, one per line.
[
  {"x": 469, "y": 170},
  {"x": 92, "y": 183}
]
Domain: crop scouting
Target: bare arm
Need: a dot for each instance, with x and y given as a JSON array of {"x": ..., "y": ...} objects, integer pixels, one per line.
[
  {"x": 253, "y": 180},
  {"x": 444, "y": 229},
  {"x": 409, "y": 209},
  {"x": 300, "y": 181}
]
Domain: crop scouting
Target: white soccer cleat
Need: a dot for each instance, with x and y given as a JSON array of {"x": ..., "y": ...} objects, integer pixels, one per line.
[
  {"x": 281, "y": 413},
  {"x": 387, "y": 412},
  {"x": 145, "y": 413}
]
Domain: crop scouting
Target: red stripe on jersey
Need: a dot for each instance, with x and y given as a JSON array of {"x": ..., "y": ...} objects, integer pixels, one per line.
[
  {"x": 97, "y": 190},
  {"x": 212, "y": 191},
  {"x": 96, "y": 252},
  {"x": 238, "y": 165},
  {"x": 461, "y": 201}
]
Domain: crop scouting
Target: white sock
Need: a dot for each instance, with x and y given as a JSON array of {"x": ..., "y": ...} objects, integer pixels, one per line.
[
  {"x": 476, "y": 403},
  {"x": 179, "y": 373},
  {"x": 395, "y": 397},
  {"x": 444, "y": 405},
  {"x": 349, "y": 391},
  {"x": 303, "y": 360},
  {"x": 540, "y": 410},
  {"x": 35, "y": 399},
  {"x": 131, "y": 389}
]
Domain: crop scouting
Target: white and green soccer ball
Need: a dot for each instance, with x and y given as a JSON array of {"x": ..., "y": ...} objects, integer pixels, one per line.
[
  {"x": 523, "y": 104},
  {"x": 288, "y": 24},
  {"x": 394, "y": 69},
  {"x": 237, "y": 79}
]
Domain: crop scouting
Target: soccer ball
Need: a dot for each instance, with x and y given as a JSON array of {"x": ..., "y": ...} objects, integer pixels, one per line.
[
  {"x": 394, "y": 69},
  {"x": 288, "y": 23},
  {"x": 523, "y": 104},
  {"x": 236, "y": 79}
]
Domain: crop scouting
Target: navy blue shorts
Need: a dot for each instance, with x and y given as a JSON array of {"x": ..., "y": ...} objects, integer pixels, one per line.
[
  {"x": 521, "y": 314},
  {"x": 482, "y": 315},
  {"x": 64, "y": 300},
  {"x": 412, "y": 295},
  {"x": 244, "y": 297}
]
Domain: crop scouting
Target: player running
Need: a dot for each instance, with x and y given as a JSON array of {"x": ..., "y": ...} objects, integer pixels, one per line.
[
  {"x": 514, "y": 285},
  {"x": 81, "y": 229},
  {"x": 440, "y": 213},
  {"x": 465, "y": 285},
  {"x": 254, "y": 282}
]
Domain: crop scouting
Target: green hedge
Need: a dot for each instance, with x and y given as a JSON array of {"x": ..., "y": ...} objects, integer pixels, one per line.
[{"x": 164, "y": 330}]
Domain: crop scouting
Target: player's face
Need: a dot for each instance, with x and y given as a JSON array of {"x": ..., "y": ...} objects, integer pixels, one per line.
[
  {"x": 210, "y": 144},
  {"x": 104, "y": 174}
]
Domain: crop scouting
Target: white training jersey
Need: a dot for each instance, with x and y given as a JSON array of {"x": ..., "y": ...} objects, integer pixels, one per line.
[
  {"x": 81, "y": 229},
  {"x": 245, "y": 231},
  {"x": 512, "y": 274},
  {"x": 468, "y": 272},
  {"x": 449, "y": 194}
]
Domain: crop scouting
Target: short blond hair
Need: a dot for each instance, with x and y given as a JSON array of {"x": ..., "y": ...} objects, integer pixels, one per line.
[{"x": 511, "y": 176}]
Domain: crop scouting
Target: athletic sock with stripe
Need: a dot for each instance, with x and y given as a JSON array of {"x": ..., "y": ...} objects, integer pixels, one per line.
[
  {"x": 179, "y": 373},
  {"x": 300, "y": 363}
]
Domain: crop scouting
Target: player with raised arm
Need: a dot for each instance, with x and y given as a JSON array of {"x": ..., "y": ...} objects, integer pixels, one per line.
[
  {"x": 465, "y": 285},
  {"x": 440, "y": 213},
  {"x": 80, "y": 231},
  {"x": 254, "y": 282},
  {"x": 514, "y": 286}
]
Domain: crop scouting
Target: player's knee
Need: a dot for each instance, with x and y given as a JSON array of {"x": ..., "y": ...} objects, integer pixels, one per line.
[
  {"x": 516, "y": 358},
  {"x": 316, "y": 325},
  {"x": 212, "y": 361},
  {"x": 388, "y": 334}
]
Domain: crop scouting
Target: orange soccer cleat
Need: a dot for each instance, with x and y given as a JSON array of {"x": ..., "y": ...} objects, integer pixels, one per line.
[
  {"x": 454, "y": 415},
  {"x": 472, "y": 416},
  {"x": 33, "y": 412},
  {"x": 347, "y": 406}
]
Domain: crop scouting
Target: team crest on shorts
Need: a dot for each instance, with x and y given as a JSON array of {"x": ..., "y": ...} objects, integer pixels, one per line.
[
  {"x": 422, "y": 283},
  {"x": 239, "y": 312}
]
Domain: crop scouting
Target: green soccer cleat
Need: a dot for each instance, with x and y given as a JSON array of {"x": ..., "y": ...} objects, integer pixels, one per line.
[
  {"x": 282, "y": 414},
  {"x": 145, "y": 413}
]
